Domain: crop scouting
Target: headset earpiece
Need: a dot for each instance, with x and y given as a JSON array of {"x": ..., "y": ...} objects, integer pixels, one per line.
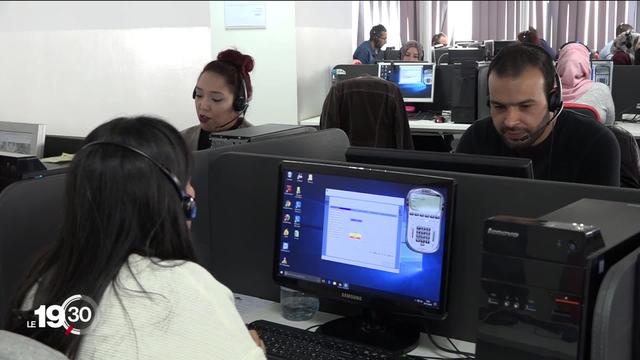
[{"x": 240, "y": 103}]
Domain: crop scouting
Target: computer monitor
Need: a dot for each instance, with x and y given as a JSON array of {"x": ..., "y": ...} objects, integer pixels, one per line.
[
  {"x": 22, "y": 138},
  {"x": 601, "y": 71},
  {"x": 376, "y": 238},
  {"x": 624, "y": 80},
  {"x": 459, "y": 55},
  {"x": 415, "y": 79},
  {"x": 458, "y": 162}
]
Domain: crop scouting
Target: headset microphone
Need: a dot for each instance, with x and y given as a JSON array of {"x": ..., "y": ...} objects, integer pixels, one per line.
[{"x": 540, "y": 129}]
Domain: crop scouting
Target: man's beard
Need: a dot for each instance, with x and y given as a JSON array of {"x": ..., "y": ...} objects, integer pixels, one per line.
[{"x": 530, "y": 137}]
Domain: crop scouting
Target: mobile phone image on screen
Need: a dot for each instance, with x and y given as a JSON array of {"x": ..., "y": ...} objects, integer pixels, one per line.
[{"x": 424, "y": 208}]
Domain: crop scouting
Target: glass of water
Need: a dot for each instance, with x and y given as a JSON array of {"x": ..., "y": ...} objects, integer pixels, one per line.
[{"x": 298, "y": 306}]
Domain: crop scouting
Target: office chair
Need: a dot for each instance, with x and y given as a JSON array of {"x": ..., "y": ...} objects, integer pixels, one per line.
[
  {"x": 585, "y": 110},
  {"x": 615, "y": 315},
  {"x": 18, "y": 347},
  {"x": 370, "y": 111},
  {"x": 31, "y": 212},
  {"x": 629, "y": 157}
]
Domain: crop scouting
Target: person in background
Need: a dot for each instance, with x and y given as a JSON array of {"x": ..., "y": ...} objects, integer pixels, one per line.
[
  {"x": 574, "y": 68},
  {"x": 527, "y": 121},
  {"x": 369, "y": 51},
  {"x": 440, "y": 39},
  {"x": 625, "y": 48},
  {"x": 222, "y": 95},
  {"x": 531, "y": 36},
  {"x": 606, "y": 53},
  {"x": 412, "y": 51},
  {"x": 125, "y": 243}
]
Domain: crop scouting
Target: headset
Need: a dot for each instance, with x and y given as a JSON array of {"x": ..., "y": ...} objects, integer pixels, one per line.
[
  {"x": 554, "y": 97},
  {"x": 240, "y": 103},
  {"x": 188, "y": 202}
]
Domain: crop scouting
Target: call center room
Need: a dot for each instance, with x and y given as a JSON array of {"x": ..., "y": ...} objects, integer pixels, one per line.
[{"x": 320, "y": 180}]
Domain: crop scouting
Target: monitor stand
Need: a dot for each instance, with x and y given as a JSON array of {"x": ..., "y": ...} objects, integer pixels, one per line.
[{"x": 374, "y": 330}]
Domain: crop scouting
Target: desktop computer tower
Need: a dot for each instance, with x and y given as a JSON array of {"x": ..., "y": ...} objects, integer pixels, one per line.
[
  {"x": 255, "y": 133},
  {"x": 540, "y": 278},
  {"x": 463, "y": 106}
]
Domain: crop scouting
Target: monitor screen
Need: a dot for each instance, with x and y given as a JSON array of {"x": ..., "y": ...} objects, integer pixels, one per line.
[
  {"x": 601, "y": 71},
  {"x": 366, "y": 236},
  {"x": 415, "y": 79},
  {"x": 458, "y": 162}
]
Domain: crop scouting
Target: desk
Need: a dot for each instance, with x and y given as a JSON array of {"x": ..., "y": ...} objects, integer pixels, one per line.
[
  {"x": 417, "y": 126},
  {"x": 431, "y": 127},
  {"x": 633, "y": 128},
  {"x": 259, "y": 309}
]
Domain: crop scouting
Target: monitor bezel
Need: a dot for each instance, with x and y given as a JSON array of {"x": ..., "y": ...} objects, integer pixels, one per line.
[
  {"x": 413, "y": 63},
  {"x": 374, "y": 298},
  {"x": 36, "y": 132},
  {"x": 491, "y": 165}
]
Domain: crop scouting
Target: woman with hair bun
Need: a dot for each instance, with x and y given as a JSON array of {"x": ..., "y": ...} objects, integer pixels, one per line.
[{"x": 222, "y": 94}]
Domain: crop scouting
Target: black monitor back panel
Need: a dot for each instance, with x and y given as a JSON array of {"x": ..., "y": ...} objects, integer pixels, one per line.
[
  {"x": 243, "y": 228},
  {"x": 329, "y": 144},
  {"x": 624, "y": 82}
]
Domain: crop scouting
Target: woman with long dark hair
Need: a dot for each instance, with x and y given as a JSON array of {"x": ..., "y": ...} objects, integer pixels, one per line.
[{"x": 125, "y": 244}]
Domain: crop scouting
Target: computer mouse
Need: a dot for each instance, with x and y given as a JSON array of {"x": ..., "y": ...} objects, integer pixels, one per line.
[{"x": 439, "y": 119}]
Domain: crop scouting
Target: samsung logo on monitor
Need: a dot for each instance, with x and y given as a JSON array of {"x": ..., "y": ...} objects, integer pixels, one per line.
[
  {"x": 510, "y": 234},
  {"x": 351, "y": 296}
]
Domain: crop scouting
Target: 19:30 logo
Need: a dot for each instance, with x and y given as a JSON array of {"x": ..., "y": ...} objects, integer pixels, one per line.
[{"x": 76, "y": 315}]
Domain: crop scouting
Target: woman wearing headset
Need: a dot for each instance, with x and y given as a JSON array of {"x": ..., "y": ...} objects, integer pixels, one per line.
[
  {"x": 574, "y": 69},
  {"x": 221, "y": 95},
  {"x": 125, "y": 244}
]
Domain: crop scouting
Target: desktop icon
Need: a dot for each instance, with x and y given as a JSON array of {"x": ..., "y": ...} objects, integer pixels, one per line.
[
  {"x": 289, "y": 174},
  {"x": 300, "y": 176},
  {"x": 296, "y": 220},
  {"x": 298, "y": 191},
  {"x": 310, "y": 179},
  {"x": 289, "y": 189},
  {"x": 287, "y": 218},
  {"x": 285, "y": 232},
  {"x": 284, "y": 261},
  {"x": 298, "y": 205},
  {"x": 285, "y": 246},
  {"x": 296, "y": 234},
  {"x": 287, "y": 204},
  {"x": 334, "y": 283}
]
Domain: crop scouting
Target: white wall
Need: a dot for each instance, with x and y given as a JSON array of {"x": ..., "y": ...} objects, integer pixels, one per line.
[
  {"x": 74, "y": 65},
  {"x": 323, "y": 40},
  {"x": 273, "y": 49}
]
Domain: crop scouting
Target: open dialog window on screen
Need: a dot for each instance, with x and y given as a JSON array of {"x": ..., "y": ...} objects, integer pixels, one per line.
[{"x": 358, "y": 227}]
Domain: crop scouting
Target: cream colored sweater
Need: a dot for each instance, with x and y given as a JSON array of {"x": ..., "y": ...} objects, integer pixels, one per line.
[{"x": 185, "y": 314}]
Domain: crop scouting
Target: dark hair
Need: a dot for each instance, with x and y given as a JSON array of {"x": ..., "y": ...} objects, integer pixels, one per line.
[
  {"x": 117, "y": 203},
  {"x": 622, "y": 28},
  {"x": 514, "y": 59},
  {"x": 435, "y": 40},
  {"x": 234, "y": 67},
  {"x": 529, "y": 36},
  {"x": 376, "y": 31},
  {"x": 412, "y": 44}
]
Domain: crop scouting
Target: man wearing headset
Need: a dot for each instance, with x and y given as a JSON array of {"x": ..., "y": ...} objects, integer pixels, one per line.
[
  {"x": 527, "y": 121},
  {"x": 369, "y": 51}
]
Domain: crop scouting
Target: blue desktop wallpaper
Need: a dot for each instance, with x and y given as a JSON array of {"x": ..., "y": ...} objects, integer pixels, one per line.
[{"x": 420, "y": 274}]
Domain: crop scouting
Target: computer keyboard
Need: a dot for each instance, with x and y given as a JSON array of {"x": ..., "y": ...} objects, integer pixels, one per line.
[
  {"x": 420, "y": 115},
  {"x": 285, "y": 342}
]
